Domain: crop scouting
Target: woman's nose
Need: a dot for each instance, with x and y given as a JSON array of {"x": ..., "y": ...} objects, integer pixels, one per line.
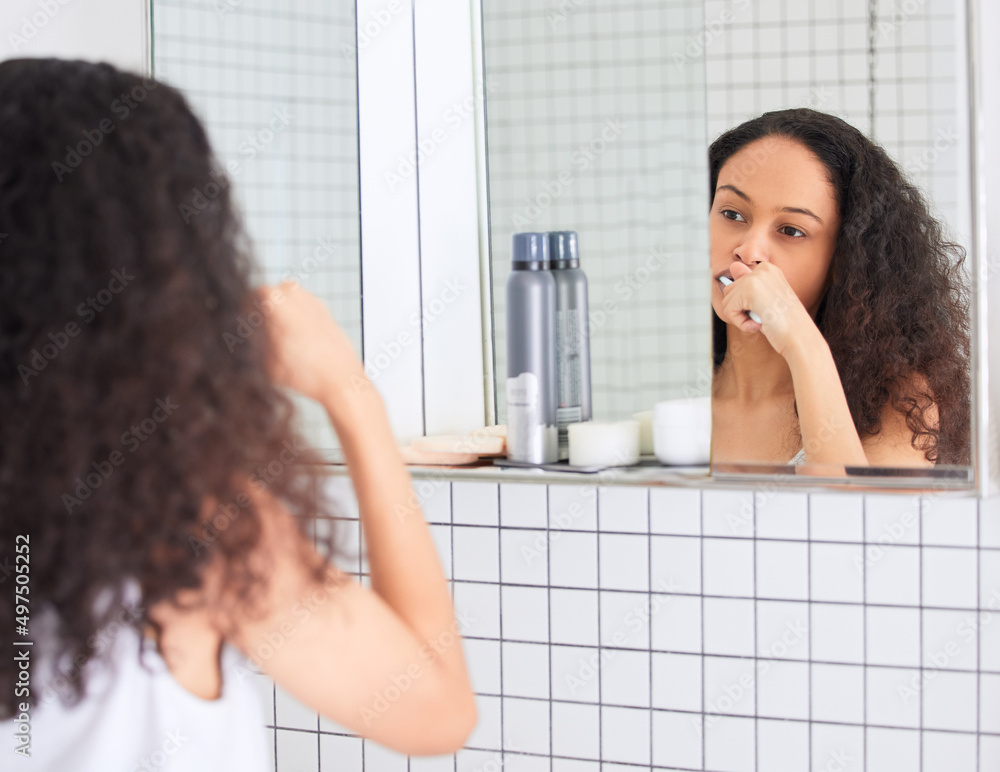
[{"x": 752, "y": 250}]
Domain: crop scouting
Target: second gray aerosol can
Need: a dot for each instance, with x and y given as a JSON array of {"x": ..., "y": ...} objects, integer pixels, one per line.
[{"x": 572, "y": 335}]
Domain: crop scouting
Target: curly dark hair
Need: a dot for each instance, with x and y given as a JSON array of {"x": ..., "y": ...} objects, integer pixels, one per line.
[
  {"x": 134, "y": 387},
  {"x": 897, "y": 312}
]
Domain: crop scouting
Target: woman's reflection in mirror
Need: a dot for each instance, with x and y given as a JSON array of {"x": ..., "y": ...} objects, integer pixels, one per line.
[{"x": 861, "y": 353}]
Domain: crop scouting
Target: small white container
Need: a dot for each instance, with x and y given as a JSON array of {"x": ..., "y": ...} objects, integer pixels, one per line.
[
  {"x": 682, "y": 431},
  {"x": 604, "y": 443}
]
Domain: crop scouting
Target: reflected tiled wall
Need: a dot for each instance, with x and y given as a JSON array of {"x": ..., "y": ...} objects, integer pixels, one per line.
[
  {"x": 682, "y": 629},
  {"x": 596, "y": 123},
  {"x": 900, "y": 78},
  {"x": 276, "y": 86}
]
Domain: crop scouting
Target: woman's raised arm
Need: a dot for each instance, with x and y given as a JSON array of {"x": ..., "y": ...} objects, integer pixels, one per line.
[{"x": 385, "y": 662}]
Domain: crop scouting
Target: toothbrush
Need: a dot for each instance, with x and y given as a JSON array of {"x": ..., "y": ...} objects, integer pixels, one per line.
[{"x": 726, "y": 281}]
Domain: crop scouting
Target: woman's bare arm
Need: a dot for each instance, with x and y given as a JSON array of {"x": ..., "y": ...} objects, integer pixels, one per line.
[
  {"x": 385, "y": 662},
  {"x": 828, "y": 433}
]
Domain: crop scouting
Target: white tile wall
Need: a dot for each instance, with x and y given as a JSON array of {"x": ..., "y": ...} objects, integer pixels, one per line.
[
  {"x": 298, "y": 751},
  {"x": 799, "y": 655},
  {"x": 675, "y": 563},
  {"x": 783, "y": 689},
  {"x": 675, "y": 511},
  {"x": 728, "y": 567},
  {"x": 573, "y": 617},
  {"x": 576, "y": 730},
  {"x": 782, "y": 746},
  {"x": 677, "y": 739},
  {"x": 767, "y": 54},
  {"x": 636, "y": 199},
  {"x": 836, "y": 517}
]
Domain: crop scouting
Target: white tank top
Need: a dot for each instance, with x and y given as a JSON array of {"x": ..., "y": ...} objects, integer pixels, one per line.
[{"x": 137, "y": 717}]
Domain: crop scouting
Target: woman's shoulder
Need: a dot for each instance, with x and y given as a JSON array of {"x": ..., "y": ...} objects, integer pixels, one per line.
[{"x": 895, "y": 444}]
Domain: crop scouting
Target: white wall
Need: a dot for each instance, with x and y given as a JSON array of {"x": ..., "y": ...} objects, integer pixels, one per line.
[{"x": 115, "y": 31}]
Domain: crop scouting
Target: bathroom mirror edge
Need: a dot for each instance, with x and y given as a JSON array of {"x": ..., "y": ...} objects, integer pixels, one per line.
[
  {"x": 984, "y": 104},
  {"x": 483, "y": 215}
]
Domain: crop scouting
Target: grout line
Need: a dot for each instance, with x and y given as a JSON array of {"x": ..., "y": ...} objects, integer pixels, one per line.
[
  {"x": 600, "y": 662},
  {"x": 909, "y": 728},
  {"x": 649, "y": 624},
  {"x": 844, "y": 542},
  {"x": 701, "y": 589},
  {"x": 710, "y": 596},
  {"x": 274, "y": 710},
  {"x": 548, "y": 594},
  {"x": 835, "y": 663},
  {"x": 920, "y": 623},
  {"x": 871, "y": 61},
  {"x": 756, "y": 651},
  {"x": 864, "y": 628},
  {"x": 979, "y": 638},
  {"x": 451, "y": 582},
  {"x": 809, "y": 620},
  {"x": 500, "y": 592}
]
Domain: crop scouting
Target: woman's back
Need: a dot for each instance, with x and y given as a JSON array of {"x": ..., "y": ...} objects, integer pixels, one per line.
[{"x": 136, "y": 716}]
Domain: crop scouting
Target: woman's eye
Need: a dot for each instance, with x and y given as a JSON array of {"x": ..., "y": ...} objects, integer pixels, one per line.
[
  {"x": 790, "y": 230},
  {"x": 729, "y": 214}
]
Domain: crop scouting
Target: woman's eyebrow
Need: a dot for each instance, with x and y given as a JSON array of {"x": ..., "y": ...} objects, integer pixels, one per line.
[
  {"x": 735, "y": 190},
  {"x": 806, "y": 212},
  {"x": 792, "y": 209}
]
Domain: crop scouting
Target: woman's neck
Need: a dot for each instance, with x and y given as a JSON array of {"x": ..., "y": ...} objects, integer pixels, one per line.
[{"x": 751, "y": 370}]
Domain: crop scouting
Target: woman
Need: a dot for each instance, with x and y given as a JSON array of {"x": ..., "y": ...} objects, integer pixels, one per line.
[
  {"x": 857, "y": 352},
  {"x": 150, "y": 473}
]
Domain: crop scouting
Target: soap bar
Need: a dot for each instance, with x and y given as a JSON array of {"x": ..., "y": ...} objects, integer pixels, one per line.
[
  {"x": 428, "y": 458},
  {"x": 477, "y": 444},
  {"x": 604, "y": 443}
]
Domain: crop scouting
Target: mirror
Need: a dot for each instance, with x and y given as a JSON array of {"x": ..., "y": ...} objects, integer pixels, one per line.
[
  {"x": 276, "y": 88},
  {"x": 672, "y": 80}
]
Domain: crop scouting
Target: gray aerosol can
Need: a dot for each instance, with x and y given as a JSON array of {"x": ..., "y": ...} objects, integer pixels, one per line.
[
  {"x": 572, "y": 335},
  {"x": 532, "y": 431}
]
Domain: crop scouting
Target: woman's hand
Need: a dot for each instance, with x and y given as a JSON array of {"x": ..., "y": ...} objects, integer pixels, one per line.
[
  {"x": 310, "y": 352},
  {"x": 828, "y": 433},
  {"x": 765, "y": 291}
]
